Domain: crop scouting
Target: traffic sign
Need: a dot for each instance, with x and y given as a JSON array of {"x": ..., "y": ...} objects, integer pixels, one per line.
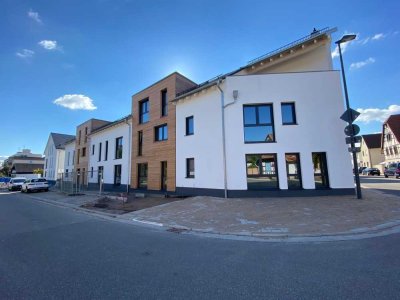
[
  {"x": 351, "y": 130},
  {"x": 354, "y": 149},
  {"x": 350, "y": 115},
  {"x": 353, "y": 139}
]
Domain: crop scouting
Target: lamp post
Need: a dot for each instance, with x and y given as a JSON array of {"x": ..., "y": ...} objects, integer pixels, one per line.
[{"x": 344, "y": 39}]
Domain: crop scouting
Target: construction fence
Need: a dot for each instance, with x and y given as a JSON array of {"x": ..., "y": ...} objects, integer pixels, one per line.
[{"x": 74, "y": 183}]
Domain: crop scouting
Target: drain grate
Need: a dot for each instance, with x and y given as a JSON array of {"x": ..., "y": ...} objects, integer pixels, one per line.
[{"x": 176, "y": 230}]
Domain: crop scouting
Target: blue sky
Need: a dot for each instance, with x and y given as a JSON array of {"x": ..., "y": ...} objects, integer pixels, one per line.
[{"x": 103, "y": 51}]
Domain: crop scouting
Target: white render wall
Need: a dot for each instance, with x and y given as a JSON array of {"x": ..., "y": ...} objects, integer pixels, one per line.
[
  {"x": 55, "y": 160},
  {"x": 110, "y": 134},
  {"x": 69, "y": 157},
  {"x": 319, "y": 104}
]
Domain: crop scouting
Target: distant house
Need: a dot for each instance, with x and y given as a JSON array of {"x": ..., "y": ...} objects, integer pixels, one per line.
[
  {"x": 24, "y": 163},
  {"x": 109, "y": 155},
  {"x": 69, "y": 161},
  {"x": 370, "y": 154},
  {"x": 55, "y": 154},
  {"x": 390, "y": 140}
]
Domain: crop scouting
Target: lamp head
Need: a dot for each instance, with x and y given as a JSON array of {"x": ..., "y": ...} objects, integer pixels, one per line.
[{"x": 346, "y": 38}]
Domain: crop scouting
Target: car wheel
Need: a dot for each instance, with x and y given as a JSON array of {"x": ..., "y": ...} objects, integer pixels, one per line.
[{"x": 46, "y": 190}]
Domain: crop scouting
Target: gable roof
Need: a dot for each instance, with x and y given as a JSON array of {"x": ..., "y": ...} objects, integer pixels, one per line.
[
  {"x": 372, "y": 140},
  {"x": 60, "y": 139},
  {"x": 121, "y": 120},
  {"x": 289, "y": 47},
  {"x": 394, "y": 123}
]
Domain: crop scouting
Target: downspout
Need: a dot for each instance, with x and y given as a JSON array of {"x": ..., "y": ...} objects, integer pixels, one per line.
[
  {"x": 223, "y": 106},
  {"x": 129, "y": 157}
]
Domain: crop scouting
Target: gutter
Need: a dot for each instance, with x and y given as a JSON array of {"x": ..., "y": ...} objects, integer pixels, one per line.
[{"x": 129, "y": 157}]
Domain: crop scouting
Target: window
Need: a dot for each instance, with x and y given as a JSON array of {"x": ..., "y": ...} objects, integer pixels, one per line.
[
  {"x": 189, "y": 125},
  {"x": 288, "y": 114},
  {"x": 66, "y": 173},
  {"x": 142, "y": 176},
  {"x": 100, "y": 174},
  {"x": 73, "y": 157},
  {"x": 258, "y": 123},
  {"x": 164, "y": 173},
  {"x": 262, "y": 171},
  {"x": 100, "y": 151},
  {"x": 117, "y": 174},
  {"x": 320, "y": 170},
  {"x": 164, "y": 103},
  {"x": 92, "y": 149},
  {"x": 293, "y": 170},
  {"x": 77, "y": 157},
  {"x": 86, "y": 132},
  {"x": 144, "y": 111},
  {"x": 106, "y": 151},
  {"x": 80, "y": 136},
  {"x": 161, "y": 133},
  {"x": 118, "y": 148},
  {"x": 83, "y": 151},
  {"x": 91, "y": 172},
  {"x": 140, "y": 143},
  {"x": 189, "y": 167}
]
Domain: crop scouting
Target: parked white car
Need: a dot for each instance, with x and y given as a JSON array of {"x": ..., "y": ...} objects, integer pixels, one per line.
[
  {"x": 31, "y": 185},
  {"x": 15, "y": 183}
]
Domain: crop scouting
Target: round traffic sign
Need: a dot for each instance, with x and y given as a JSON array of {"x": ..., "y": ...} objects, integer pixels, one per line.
[{"x": 351, "y": 130}]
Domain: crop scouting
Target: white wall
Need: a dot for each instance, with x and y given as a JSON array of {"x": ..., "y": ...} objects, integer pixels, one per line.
[
  {"x": 110, "y": 134},
  {"x": 55, "y": 160},
  {"x": 319, "y": 104},
  {"x": 69, "y": 157}
]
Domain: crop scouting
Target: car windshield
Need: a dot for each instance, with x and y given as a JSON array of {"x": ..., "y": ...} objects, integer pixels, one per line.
[
  {"x": 41, "y": 180},
  {"x": 18, "y": 180}
]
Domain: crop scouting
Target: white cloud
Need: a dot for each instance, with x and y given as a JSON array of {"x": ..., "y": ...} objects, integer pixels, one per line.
[
  {"x": 34, "y": 16},
  {"x": 377, "y": 114},
  {"x": 49, "y": 45},
  {"x": 335, "y": 53},
  {"x": 25, "y": 53},
  {"x": 75, "y": 102},
  {"x": 360, "y": 64},
  {"x": 378, "y": 36}
]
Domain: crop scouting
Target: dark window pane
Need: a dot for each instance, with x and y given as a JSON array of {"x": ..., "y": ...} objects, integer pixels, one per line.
[
  {"x": 144, "y": 111},
  {"x": 259, "y": 134},
  {"x": 261, "y": 171},
  {"x": 189, "y": 126},
  {"x": 190, "y": 167},
  {"x": 293, "y": 171},
  {"x": 264, "y": 115},
  {"x": 320, "y": 170},
  {"x": 250, "y": 115},
  {"x": 288, "y": 113}
]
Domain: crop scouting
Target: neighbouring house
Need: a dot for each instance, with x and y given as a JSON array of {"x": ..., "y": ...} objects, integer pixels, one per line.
[
  {"x": 153, "y": 135},
  {"x": 82, "y": 144},
  {"x": 109, "y": 156},
  {"x": 69, "y": 162},
  {"x": 55, "y": 155},
  {"x": 271, "y": 127},
  {"x": 391, "y": 139},
  {"x": 371, "y": 155},
  {"x": 24, "y": 163}
]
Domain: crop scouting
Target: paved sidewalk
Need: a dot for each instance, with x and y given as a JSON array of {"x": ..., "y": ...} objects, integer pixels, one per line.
[{"x": 278, "y": 217}]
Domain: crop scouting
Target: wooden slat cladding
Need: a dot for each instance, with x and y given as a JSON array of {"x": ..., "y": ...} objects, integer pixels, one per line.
[{"x": 155, "y": 152}]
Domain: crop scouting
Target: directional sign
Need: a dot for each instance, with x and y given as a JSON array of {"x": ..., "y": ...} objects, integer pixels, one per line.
[
  {"x": 351, "y": 130},
  {"x": 350, "y": 115},
  {"x": 354, "y": 149},
  {"x": 353, "y": 139}
]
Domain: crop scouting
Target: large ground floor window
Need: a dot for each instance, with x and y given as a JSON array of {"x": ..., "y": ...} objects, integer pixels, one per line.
[
  {"x": 142, "y": 175},
  {"x": 293, "y": 170},
  {"x": 262, "y": 172},
  {"x": 320, "y": 170}
]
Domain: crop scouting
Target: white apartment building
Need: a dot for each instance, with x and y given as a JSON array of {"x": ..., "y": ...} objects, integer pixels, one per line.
[
  {"x": 69, "y": 162},
  {"x": 55, "y": 154},
  {"x": 109, "y": 156},
  {"x": 271, "y": 127}
]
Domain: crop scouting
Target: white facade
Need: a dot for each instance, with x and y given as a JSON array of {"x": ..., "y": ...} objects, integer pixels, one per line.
[
  {"x": 69, "y": 160},
  {"x": 106, "y": 157},
  {"x": 54, "y": 160}
]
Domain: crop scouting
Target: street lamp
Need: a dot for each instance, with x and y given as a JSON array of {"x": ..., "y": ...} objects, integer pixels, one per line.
[{"x": 347, "y": 38}]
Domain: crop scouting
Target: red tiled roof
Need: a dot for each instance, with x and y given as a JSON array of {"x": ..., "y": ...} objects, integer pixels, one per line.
[{"x": 372, "y": 140}]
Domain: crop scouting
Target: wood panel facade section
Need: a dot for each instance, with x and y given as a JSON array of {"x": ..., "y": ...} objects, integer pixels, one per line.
[
  {"x": 155, "y": 152},
  {"x": 82, "y": 141}
]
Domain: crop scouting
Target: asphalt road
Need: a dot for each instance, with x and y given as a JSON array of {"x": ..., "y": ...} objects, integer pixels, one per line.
[
  {"x": 388, "y": 185},
  {"x": 51, "y": 252}
]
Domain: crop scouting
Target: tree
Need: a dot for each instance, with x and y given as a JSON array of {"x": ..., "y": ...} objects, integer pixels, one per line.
[
  {"x": 38, "y": 171},
  {"x": 4, "y": 170}
]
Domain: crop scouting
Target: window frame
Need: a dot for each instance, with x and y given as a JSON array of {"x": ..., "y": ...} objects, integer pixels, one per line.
[
  {"x": 115, "y": 174},
  {"x": 299, "y": 173},
  {"x": 117, "y": 147},
  {"x": 275, "y": 156},
  {"x": 141, "y": 112},
  {"x": 164, "y": 102},
  {"x": 140, "y": 143},
  {"x": 258, "y": 124},
  {"x": 293, "y": 105},
  {"x": 156, "y": 131},
  {"x": 188, "y": 175},
  {"x": 187, "y": 133},
  {"x": 106, "y": 151}
]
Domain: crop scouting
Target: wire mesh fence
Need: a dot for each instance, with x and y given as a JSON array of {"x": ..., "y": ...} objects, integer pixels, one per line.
[{"x": 74, "y": 182}]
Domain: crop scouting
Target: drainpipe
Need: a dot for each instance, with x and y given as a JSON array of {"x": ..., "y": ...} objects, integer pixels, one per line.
[
  {"x": 129, "y": 157},
  {"x": 223, "y": 106}
]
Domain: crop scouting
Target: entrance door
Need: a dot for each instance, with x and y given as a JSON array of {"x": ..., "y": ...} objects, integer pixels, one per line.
[
  {"x": 320, "y": 170},
  {"x": 164, "y": 175}
]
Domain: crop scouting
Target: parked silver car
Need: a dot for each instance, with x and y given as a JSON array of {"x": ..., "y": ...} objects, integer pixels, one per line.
[
  {"x": 37, "y": 184},
  {"x": 15, "y": 183}
]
